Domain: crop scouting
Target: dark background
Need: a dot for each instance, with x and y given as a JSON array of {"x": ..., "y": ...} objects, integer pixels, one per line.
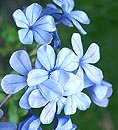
[{"x": 103, "y": 30}]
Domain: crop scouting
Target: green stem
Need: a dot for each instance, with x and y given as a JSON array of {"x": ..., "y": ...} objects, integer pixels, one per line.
[{"x": 4, "y": 100}]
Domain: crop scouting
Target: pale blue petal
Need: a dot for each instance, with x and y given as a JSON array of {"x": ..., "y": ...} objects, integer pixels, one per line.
[
  {"x": 35, "y": 125},
  {"x": 48, "y": 113},
  {"x": 45, "y": 23},
  {"x": 51, "y": 90},
  {"x": 80, "y": 73},
  {"x": 52, "y": 10},
  {"x": 24, "y": 125},
  {"x": 8, "y": 126},
  {"x": 67, "y": 22},
  {"x": 73, "y": 85},
  {"x": 46, "y": 56},
  {"x": 20, "y": 62},
  {"x": 58, "y": 2},
  {"x": 77, "y": 44},
  {"x": 25, "y": 36},
  {"x": 13, "y": 83},
  {"x": 102, "y": 103},
  {"x": 80, "y": 16},
  {"x": 70, "y": 105},
  {"x": 100, "y": 91},
  {"x": 56, "y": 40},
  {"x": 61, "y": 103},
  {"x": 60, "y": 76},
  {"x": 20, "y": 19},
  {"x": 92, "y": 55},
  {"x": 38, "y": 65},
  {"x": 36, "y": 99},
  {"x": 68, "y": 5},
  {"x": 83, "y": 101},
  {"x": 65, "y": 123},
  {"x": 33, "y": 12},
  {"x": 78, "y": 26},
  {"x": 42, "y": 37},
  {"x": 93, "y": 73},
  {"x": 36, "y": 76},
  {"x": 67, "y": 60},
  {"x": 24, "y": 103},
  {"x": 1, "y": 113},
  {"x": 87, "y": 82}
]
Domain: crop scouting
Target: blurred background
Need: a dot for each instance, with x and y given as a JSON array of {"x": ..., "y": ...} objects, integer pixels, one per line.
[{"x": 103, "y": 30}]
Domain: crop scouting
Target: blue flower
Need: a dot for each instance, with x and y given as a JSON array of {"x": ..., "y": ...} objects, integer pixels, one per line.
[
  {"x": 20, "y": 62},
  {"x": 47, "y": 63},
  {"x": 69, "y": 17},
  {"x": 91, "y": 56},
  {"x": 31, "y": 123},
  {"x": 13, "y": 83},
  {"x": 65, "y": 123},
  {"x": 33, "y": 25},
  {"x": 99, "y": 93},
  {"x": 6, "y": 125}
]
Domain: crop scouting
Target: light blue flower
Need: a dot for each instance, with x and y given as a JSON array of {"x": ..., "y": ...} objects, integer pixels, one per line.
[
  {"x": 70, "y": 17},
  {"x": 47, "y": 63},
  {"x": 31, "y": 123},
  {"x": 6, "y": 125},
  {"x": 13, "y": 83},
  {"x": 33, "y": 25},
  {"x": 64, "y": 123},
  {"x": 99, "y": 93},
  {"x": 20, "y": 62},
  {"x": 85, "y": 61},
  {"x": 56, "y": 69}
]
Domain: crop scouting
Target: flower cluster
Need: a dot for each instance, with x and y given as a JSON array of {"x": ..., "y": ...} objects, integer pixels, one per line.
[{"x": 55, "y": 82}]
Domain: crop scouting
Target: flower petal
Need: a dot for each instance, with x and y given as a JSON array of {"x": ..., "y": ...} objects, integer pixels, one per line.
[
  {"x": 13, "y": 83},
  {"x": 36, "y": 99},
  {"x": 24, "y": 103},
  {"x": 80, "y": 16},
  {"x": 45, "y": 23},
  {"x": 36, "y": 77},
  {"x": 58, "y": 2},
  {"x": 33, "y": 12},
  {"x": 92, "y": 55},
  {"x": 78, "y": 26},
  {"x": 42, "y": 37},
  {"x": 83, "y": 101},
  {"x": 48, "y": 113},
  {"x": 73, "y": 85},
  {"x": 67, "y": 60},
  {"x": 46, "y": 56},
  {"x": 20, "y": 19},
  {"x": 93, "y": 73},
  {"x": 68, "y": 5},
  {"x": 35, "y": 125},
  {"x": 61, "y": 102},
  {"x": 8, "y": 126},
  {"x": 60, "y": 76},
  {"x": 51, "y": 90},
  {"x": 25, "y": 36},
  {"x": 70, "y": 105},
  {"x": 20, "y": 62},
  {"x": 77, "y": 44},
  {"x": 102, "y": 103}
]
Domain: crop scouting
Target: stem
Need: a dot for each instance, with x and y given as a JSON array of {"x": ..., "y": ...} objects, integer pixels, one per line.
[{"x": 4, "y": 100}]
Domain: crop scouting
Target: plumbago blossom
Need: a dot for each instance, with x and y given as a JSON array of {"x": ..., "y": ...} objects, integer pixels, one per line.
[
  {"x": 66, "y": 15},
  {"x": 55, "y": 82},
  {"x": 33, "y": 25}
]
